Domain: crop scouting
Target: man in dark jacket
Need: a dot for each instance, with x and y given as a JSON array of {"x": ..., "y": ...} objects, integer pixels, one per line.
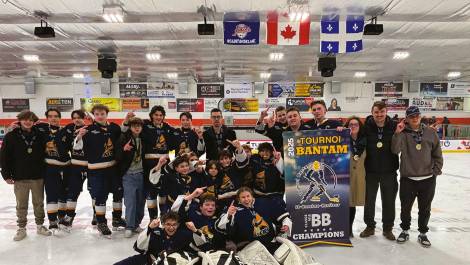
[
  {"x": 129, "y": 156},
  {"x": 279, "y": 118},
  {"x": 22, "y": 163},
  {"x": 319, "y": 120},
  {"x": 215, "y": 138},
  {"x": 381, "y": 166}
]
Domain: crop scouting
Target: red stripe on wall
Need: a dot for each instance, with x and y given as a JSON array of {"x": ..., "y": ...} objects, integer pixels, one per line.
[{"x": 304, "y": 29}]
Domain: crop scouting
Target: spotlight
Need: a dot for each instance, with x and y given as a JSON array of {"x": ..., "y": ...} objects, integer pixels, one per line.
[
  {"x": 153, "y": 56},
  {"x": 276, "y": 56},
  {"x": 31, "y": 58},
  {"x": 78, "y": 75},
  {"x": 453, "y": 74},
  {"x": 400, "y": 55},
  {"x": 172, "y": 75},
  {"x": 373, "y": 28},
  {"x": 44, "y": 31},
  {"x": 360, "y": 74},
  {"x": 265, "y": 75},
  {"x": 113, "y": 13},
  {"x": 327, "y": 65}
]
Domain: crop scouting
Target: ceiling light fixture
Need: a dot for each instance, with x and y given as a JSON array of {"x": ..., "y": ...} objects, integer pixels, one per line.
[
  {"x": 400, "y": 55},
  {"x": 153, "y": 56},
  {"x": 78, "y": 75},
  {"x": 454, "y": 74},
  {"x": 276, "y": 56},
  {"x": 172, "y": 75},
  {"x": 265, "y": 75},
  {"x": 360, "y": 74},
  {"x": 113, "y": 13},
  {"x": 31, "y": 58}
]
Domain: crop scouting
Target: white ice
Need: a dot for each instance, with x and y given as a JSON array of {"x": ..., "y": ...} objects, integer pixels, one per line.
[{"x": 449, "y": 233}]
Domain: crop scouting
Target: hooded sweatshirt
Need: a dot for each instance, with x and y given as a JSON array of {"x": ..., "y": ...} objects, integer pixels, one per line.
[{"x": 416, "y": 163}]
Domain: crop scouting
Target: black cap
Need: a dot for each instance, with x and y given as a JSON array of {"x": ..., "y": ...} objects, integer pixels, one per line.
[{"x": 412, "y": 110}]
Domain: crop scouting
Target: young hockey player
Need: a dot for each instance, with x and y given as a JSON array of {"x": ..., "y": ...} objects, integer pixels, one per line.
[
  {"x": 252, "y": 219},
  {"x": 154, "y": 240},
  {"x": 98, "y": 142},
  {"x": 191, "y": 137},
  {"x": 280, "y": 123},
  {"x": 320, "y": 121}
]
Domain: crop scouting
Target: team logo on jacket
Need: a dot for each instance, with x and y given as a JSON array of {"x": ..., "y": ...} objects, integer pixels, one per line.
[
  {"x": 161, "y": 143},
  {"x": 260, "y": 226},
  {"x": 318, "y": 177},
  {"x": 260, "y": 180},
  {"x": 227, "y": 184},
  {"x": 51, "y": 149},
  {"x": 108, "y": 148},
  {"x": 206, "y": 232},
  {"x": 241, "y": 31}
]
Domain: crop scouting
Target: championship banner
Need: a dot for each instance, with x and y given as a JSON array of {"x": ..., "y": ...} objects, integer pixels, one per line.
[
  {"x": 284, "y": 89},
  {"x": 62, "y": 104},
  {"x": 459, "y": 89},
  {"x": 241, "y": 28},
  {"x": 302, "y": 104},
  {"x": 316, "y": 166},
  {"x": 114, "y": 104},
  {"x": 396, "y": 103},
  {"x": 433, "y": 89},
  {"x": 210, "y": 90},
  {"x": 309, "y": 90},
  {"x": 133, "y": 90},
  {"x": 190, "y": 104},
  {"x": 135, "y": 104},
  {"x": 239, "y": 105},
  {"x": 241, "y": 90},
  {"x": 15, "y": 104},
  {"x": 388, "y": 89}
]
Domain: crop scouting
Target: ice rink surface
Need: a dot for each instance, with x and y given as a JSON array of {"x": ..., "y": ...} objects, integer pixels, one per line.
[{"x": 449, "y": 232}]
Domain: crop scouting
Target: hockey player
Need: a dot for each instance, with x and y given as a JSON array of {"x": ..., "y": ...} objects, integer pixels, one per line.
[
  {"x": 252, "y": 219},
  {"x": 215, "y": 138},
  {"x": 160, "y": 138},
  {"x": 280, "y": 123},
  {"x": 201, "y": 220},
  {"x": 77, "y": 169},
  {"x": 98, "y": 142},
  {"x": 57, "y": 161},
  {"x": 267, "y": 168},
  {"x": 191, "y": 137},
  {"x": 319, "y": 121},
  {"x": 154, "y": 240}
]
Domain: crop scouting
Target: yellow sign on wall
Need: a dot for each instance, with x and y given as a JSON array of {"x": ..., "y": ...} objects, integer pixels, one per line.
[{"x": 114, "y": 104}]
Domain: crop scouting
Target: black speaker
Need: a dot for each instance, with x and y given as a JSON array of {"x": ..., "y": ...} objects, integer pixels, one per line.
[
  {"x": 107, "y": 67},
  {"x": 205, "y": 29},
  {"x": 327, "y": 65},
  {"x": 44, "y": 32},
  {"x": 373, "y": 29}
]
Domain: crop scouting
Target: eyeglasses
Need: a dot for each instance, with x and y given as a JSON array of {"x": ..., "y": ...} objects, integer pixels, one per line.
[
  {"x": 171, "y": 224},
  {"x": 353, "y": 125}
]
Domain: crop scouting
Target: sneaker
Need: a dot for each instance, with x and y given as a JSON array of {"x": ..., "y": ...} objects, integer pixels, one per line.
[
  {"x": 66, "y": 224},
  {"x": 128, "y": 233},
  {"x": 424, "y": 241},
  {"x": 42, "y": 230},
  {"x": 104, "y": 229},
  {"x": 138, "y": 230},
  {"x": 369, "y": 231},
  {"x": 388, "y": 234},
  {"x": 403, "y": 237},
  {"x": 118, "y": 223},
  {"x": 53, "y": 225},
  {"x": 93, "y": 221},
  {"x": 20, "y": 234}
]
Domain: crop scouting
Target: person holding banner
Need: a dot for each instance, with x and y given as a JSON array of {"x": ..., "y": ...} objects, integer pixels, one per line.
[
  {"x": 421, "y": 161},
  {"x": 217, "y": 135},
  {"x": 278, "y": 120},
  {"x": 357, "y": 172},
  {"x": 381, "y": 170},
  {"x": 320, "y": 121},
  {"x": 294, "y": 124}
]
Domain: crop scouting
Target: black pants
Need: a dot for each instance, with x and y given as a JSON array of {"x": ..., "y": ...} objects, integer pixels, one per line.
[
  {"x": 388, "y": 192},
  {"x": 423, "y": 190}
]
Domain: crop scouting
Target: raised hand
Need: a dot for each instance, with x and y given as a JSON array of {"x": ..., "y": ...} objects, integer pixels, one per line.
[
  {"x": 129, "y": 115},
  {"x": 162, "y": 160},
  {"x": 199, "y": 132},
  {"x": 235, "y": 143},
  {"x": 154, "y": 223},
  {"x": 400, "y": 126},
  {"x": 128, "y": 146},
  {"x": 232, "y": 210},
  {"x": 81, "y": 132},
  {"x": 191, "y": 226}
]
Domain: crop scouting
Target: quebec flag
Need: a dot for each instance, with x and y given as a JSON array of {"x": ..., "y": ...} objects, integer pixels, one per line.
[{"x": 339, "y": 36}]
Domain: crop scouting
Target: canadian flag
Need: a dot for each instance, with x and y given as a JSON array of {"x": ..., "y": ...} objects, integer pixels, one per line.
[{"x": 281, "y": 31}]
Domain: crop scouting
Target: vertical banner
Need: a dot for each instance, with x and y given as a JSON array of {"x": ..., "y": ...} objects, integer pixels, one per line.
[
  {"x": 241, "y": 28},
  {"x": 241, "y": 90},
  {"x": 62, "y": 104},
  {"x": 15, "y": 104},
  {"x": 388, "y": 89},
  {"x": 210, "y": 90},
  {"x": 316, "y": 166},
  {"x": 133, "y": 90}
]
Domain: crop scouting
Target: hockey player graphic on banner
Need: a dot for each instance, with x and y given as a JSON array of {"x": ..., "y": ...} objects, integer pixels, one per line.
[{"x": 317, "y": 186}]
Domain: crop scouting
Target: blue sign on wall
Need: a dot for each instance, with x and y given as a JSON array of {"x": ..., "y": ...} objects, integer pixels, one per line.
[{"x": 241, "y": 28}]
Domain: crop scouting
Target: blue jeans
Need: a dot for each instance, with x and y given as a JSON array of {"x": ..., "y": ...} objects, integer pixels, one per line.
[{"x": 134, "y": 198}]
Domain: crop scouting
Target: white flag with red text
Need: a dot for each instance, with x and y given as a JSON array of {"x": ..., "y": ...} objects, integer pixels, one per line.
[{"x": 281, "y": 31}]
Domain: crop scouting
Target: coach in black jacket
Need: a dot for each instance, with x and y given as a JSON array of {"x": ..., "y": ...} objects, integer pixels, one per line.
[
  {"x": 381, "y": 170},
  {"x": 216, "y": 136}
]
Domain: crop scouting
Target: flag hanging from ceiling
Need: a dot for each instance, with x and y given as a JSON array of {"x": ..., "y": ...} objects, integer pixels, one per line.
[
  {"x": 339, "y": 36},
  {"x": 281, "y": 31}
]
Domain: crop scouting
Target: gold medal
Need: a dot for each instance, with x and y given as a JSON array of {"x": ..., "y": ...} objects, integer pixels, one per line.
[
  {"x": 356, "y": 157},
  {"x": 379, "y": 144},
  {"x": 418, "y": 147},
  {"x": 30, "y": 150}
]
